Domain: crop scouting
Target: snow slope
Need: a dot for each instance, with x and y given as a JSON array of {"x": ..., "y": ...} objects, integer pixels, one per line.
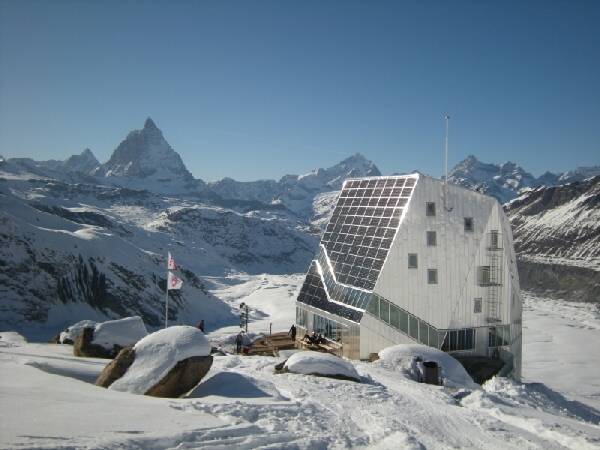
[
  {"x": 69, "y": 257},
  {"x": 557, "y": 239},
  {"x": 243, "y": 404}
]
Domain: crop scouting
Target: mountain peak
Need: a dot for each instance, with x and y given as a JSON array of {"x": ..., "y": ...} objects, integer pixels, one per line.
[
  {"x": 85, "y": 162},
  {"x": 145, "y": 153},
  {"x": 149, "y": 124}
]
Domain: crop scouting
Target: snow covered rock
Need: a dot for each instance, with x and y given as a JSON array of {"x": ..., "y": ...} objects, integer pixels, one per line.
[
  {"x": 74, "y": 331},
  {"x": 11, "y": 339},
  {"x": 321, "y": 364},
  {"x": 121, "y": 332},
  {"x": 402, "y": 357},
  {"x": 117, "y": 367},
  {"x": 167, "y": 363},
  {"x": 107, "y": 339}
]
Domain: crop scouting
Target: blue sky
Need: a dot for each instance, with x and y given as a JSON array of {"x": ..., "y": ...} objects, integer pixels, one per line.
[{"x": 258, "y": 89}]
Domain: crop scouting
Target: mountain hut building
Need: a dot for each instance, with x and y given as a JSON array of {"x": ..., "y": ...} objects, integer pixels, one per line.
[{"x": 409, "y": 259}]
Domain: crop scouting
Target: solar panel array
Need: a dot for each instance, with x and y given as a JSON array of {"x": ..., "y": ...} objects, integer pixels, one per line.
[
  {"x": 362, "y": 227},
  {"x": 355, "y": 244},
  {"x": 313, "y": 294}
]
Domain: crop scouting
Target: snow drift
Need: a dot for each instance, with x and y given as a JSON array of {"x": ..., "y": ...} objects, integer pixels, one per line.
[
  {"x": 11, "y": 339},
  {"x": 315, "y": 363},
  {"x": 401, "y": 357}
]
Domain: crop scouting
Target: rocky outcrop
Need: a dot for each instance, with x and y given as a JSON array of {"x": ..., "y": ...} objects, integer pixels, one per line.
[
  {"x": 560, "y": 281},
  {"x": 182, "y": 378},
  {"x": 84, "y": 346},
  {"x": 117, "y": 367}
]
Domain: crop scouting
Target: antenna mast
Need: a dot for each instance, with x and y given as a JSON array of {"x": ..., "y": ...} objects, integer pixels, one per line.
[
  {"x": 447, "y": 117},
  {"x": 445, "y": 191}
]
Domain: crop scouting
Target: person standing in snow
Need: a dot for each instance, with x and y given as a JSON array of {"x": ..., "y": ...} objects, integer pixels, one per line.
[
  {"x": 200, "y": 325},
  {"x": 238, "y": 342},
  {"x": 292, "y": 332}
]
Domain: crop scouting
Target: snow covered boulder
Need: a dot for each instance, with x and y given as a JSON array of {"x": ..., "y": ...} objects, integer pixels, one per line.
[
  {"x": 74, "y": 331},
  {"x": 168, "y": 363},
  {"x": 116, "y": 368},
  {"x": 11, "y": 339},
  {"x": 321, "y": 364},
  {"x": 403, "y": 357},
  {"x": 107, "y": 339}
]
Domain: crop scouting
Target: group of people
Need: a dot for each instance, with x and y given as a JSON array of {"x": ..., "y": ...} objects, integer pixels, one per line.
[
  {"x": 241, "y": 338},
  {"x": 314, "y": 338}
]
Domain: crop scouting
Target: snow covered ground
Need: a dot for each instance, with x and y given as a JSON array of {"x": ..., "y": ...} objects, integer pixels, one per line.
[
  {"x": 561, "y": 347},
  {"x": 48, "y": 400}
]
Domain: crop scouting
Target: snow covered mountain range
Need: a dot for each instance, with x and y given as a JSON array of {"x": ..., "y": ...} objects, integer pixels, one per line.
[
  {"x": 557, "y": 239},
  {"x": 504, "y": 181},
  {"x": 84, "y": 239},
  {"x": 81, "y": 239}
]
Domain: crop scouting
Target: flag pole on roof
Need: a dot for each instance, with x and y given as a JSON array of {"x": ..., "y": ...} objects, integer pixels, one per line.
[{"x": 173, "y": 282}]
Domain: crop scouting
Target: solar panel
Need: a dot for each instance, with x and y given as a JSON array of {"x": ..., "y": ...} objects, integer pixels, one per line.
[{"x": 355, "y": 244}]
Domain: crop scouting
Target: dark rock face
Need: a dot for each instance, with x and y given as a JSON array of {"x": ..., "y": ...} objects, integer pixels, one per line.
[
  {"x": 117, "y": 367},
  {"x": 560, "y": 281},
  {"x": 83, "y": 346},
  {"x": 182, "y": 378}
]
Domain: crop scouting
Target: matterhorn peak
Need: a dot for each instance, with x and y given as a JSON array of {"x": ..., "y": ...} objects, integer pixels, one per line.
[
  {"x": 149, "y": 124},
  {"x": 146, "y": 154}
]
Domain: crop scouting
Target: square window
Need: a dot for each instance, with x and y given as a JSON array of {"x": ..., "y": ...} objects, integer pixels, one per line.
[
  {"x": 494, "y": 240},
  {"x": 483, "y": 276},
  {"x": 431, "y": 238},
  {"x": 477, "y": 305},
  {"x": 432, "y": 276},
  {"x": 469, "y": 224},
  {"x": 430, "y": 208},
  {"x": 412, "y": 261}
]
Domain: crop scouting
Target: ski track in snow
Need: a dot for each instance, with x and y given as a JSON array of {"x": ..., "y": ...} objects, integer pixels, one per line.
[{"x": 48, "y": 400}]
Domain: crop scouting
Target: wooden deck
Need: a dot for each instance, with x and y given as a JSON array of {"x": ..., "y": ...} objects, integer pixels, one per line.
[{"x": 271, "y": 344}]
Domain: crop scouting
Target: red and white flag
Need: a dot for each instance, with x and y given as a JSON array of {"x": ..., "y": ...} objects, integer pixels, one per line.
[
  {"x": 171, "y": 263},
  {"x": 174, "y": 282}
]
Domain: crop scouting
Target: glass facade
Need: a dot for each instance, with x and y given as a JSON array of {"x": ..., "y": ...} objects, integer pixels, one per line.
[
  {"x": 499, "y": 336},
  {"x": 454, "y": 340},
  {"x": 313, "y": 293},
  {"x": 328, "y": 328},
  {"x": 419, "y": 330}
]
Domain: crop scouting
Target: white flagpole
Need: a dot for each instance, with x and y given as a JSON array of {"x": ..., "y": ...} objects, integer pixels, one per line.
[{"x": 167, "y": 298}]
